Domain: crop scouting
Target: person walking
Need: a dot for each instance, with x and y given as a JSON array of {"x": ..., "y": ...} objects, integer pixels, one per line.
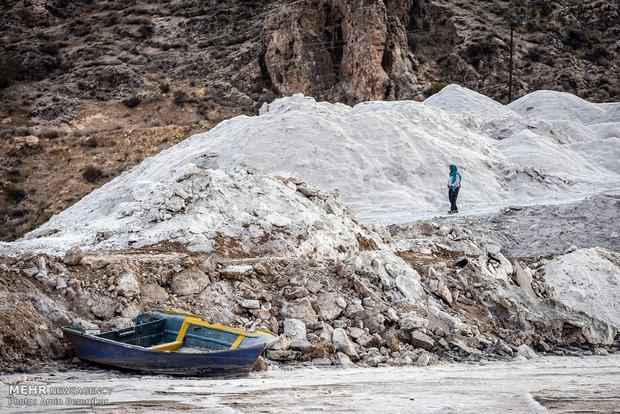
[{"x": 454, "y": 184}]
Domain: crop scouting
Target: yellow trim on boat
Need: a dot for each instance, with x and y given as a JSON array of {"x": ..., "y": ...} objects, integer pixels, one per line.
[
  {"x": 238, "y": 341},
  {"x": 197, "y": 321},
  {"x": 168, "y": 346}
]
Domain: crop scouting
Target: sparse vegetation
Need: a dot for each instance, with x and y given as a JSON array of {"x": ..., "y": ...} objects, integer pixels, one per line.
[
  {"x": 9, "y": 70},
  {"x": 180, "y": 97},
  {"x": 132, "y": 102},
  {"x": 49, "y": 133},
  {"x": 14, "y": 132},
  {"x": 164, "y": 87},
  {"x": 14, "y": 194},
  {"x": 90, "y": 142},
  {"x": 92, "y": 174},
  {"x": 163, "y": 45},
  {"x": 437, "y": 86},
  {"x": 597, "y": 54},
  {"x": 145, "y": 30}
]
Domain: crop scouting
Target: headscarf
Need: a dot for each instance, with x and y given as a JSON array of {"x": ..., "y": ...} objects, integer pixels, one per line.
[{"x": 455, "y": 172}]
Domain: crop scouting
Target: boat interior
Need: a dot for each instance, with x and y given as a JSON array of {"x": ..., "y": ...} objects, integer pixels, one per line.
[{"x": 170, "y": 331}]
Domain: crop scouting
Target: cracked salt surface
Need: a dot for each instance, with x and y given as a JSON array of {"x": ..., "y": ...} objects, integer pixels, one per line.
[{"x": 549, "y": 384}]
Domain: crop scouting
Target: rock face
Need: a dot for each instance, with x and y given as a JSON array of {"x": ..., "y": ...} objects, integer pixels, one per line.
[
  {"x": 341, "y": 50},
  {"x": 356, "y": 49}
]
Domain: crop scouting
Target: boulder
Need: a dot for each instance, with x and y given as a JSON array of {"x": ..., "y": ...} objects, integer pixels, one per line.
[
  {"x": 185, "y": 172},
  {"x": 443, "y": 319},
  {"x": 356, "y": 333},
  {"x": 421, "y": 340},
  {"x": 373, "y": 320},
  {"x": 30, "y": 271},
  {"x": 523, "y": 279},
  {"x": 342, "y": 342},
  {"x": 322, "y": 362},
  {"x": 281, "y": 344},
  {"x": 188, "y": 282},
  {"x": 319, "y": 351},
  {"x": 300, "y": 309},
  {"x": 41, "y": 264},
  {"x": 326, "y": 334},
  {"x": 440, "y": 289},
  {"x": 261, "y": 364},
  {"x": 73, "y": 256},
  {"x": 369, "y": 341},
  {"x": 281, "y": 355},
  {"x": 391, "y": 341},
  {"x": 130, "y": 312},
  {"x": 342, "y": 359},
  {"x": 465, "y": 348},
  {"x": 526, "y": 352},
  {"x": 423, "y": 359},
  {"x": 264, "y": 268},
  {"x": 237, "y": 272},
  {"x": 296, "y": 331},
  {"x": 410, "y": 288},
  {"x": 296, "y": 292},
  {"x": 599, "y": 333},
  {"x": 249, "y": 304},
  {"x": 29, "y": 141},
  {"x": 330, "y": 306},
  {"x": 411, "y": 320},
  {"x": 127, "y": 285},
  {"x": 153, "y": 295},
  {"x": 103, "y": 308},
  {"x": 209, "y": 265}
]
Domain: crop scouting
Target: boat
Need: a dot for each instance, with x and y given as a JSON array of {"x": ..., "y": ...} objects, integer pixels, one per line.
[{"x": 173, "y": 343}]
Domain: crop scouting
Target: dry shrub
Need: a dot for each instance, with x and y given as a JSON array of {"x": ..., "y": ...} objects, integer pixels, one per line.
[{"x": 92, "y": 174}]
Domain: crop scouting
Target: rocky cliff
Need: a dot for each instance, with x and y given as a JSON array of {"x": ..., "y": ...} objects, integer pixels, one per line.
[{"x": 238, "y": 55}]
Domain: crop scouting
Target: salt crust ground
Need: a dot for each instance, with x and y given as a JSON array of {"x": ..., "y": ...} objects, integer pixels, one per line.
[{"x": 543, "y": 385}]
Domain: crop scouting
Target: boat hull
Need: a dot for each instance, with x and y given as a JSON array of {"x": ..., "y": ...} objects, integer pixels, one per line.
[{"x": 131, "y": 357}]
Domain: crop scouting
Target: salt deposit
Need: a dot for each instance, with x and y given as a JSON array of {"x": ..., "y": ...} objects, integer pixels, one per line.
[
  {"x": 459, "y": 100},
  {"x": 552, "y": 105},
  {"x": 385, "y": 159},
  {"x": 587, "y": 280},
  {"x": 196, "y": 207}
]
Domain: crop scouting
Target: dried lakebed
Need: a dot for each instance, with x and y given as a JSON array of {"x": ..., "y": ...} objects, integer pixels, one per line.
[{"x": 547, "y": 384}]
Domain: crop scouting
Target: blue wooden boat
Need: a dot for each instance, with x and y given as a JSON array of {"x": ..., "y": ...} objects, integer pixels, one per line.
[{"x": 172, "y": 343}]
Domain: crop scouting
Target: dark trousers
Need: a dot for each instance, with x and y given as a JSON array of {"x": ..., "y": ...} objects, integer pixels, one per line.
[{"x": 452, "y": 195}]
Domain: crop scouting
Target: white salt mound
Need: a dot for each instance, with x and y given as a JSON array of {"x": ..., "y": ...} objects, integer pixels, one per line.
[
  {"x": 588, "y": 280},
  {"x": 612, "y": 112},
  {"x": 198, "y": 208},
  {"x": 527, "y": 148},
  {"x": 459, "y": 100},
  {"x": 388, "y": 160},
  {"x": 606, "y": 130},
  {"x": 552, "y": 105}
]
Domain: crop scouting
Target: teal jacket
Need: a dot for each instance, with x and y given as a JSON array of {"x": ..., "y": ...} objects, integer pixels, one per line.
[{"x": 454, "y": 181}]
